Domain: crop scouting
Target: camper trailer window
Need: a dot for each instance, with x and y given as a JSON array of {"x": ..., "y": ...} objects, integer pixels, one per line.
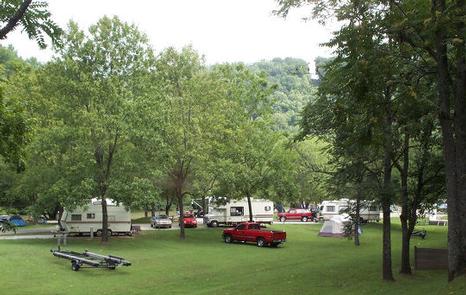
[
  {"x": 330, "y": 208},
  {"x": 236, "y": 211},
  {"x": 76, "y": 217},
  {"x": 267, "y": 208},
  {"x": 90, "y": 216}
]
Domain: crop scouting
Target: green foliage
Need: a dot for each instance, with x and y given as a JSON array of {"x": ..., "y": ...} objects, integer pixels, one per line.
[
  {"x": 293, "y": 89},
  {"x": 36, "y": 21},
  {"x": 85, "y": 102}
]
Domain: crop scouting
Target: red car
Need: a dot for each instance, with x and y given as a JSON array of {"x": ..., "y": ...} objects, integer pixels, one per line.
[
  {"x": 253, "y": 232},
  {"x": 296, "y": 214},
  {"x": 189, "y": 220}
]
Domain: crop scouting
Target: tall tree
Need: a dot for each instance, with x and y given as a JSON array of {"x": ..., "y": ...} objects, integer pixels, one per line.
[{"x": 99, "y": 79}]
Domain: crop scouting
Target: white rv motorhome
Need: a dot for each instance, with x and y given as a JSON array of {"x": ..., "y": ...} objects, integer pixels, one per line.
[
  {"x": 83, "y": 219},
  {"x": 237, "y": 211},
  {"x": 329, "y": 209}
]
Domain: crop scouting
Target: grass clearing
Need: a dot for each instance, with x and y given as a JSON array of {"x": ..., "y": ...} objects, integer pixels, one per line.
[{"x": 203, "y": 264}]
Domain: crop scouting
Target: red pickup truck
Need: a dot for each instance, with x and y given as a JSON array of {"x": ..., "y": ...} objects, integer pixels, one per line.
[
  {"x": 296, "y": 214},
  {"x": 253, "y": 232}
]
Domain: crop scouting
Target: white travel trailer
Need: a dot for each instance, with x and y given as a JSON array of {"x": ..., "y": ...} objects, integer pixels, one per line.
[
  {"x": 329, "y": 209},
  {"x": 89, "y": 218},
  {"x": 236, "y": 211}
]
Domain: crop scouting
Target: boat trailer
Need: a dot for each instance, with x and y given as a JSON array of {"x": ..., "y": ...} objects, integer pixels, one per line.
[{"x": 90, "y": 260}]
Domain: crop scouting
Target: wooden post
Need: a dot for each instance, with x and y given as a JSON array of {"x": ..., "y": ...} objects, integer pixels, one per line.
[{"x": 92, "y": 232}]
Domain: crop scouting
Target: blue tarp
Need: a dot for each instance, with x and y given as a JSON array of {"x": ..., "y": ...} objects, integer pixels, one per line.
[{"x": 17, "y": 220}]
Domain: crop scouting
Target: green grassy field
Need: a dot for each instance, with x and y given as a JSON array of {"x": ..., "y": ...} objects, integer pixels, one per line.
[{"x": 203, "y": 264}]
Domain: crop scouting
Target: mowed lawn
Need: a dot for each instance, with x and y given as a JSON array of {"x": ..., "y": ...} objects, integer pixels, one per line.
[{"x": 203, "y": 264}]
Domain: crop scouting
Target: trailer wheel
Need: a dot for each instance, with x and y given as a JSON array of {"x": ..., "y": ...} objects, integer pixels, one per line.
[
  {"x": 98, "y": 233},
  {"x": 260, "y": 242},
  {"x": 304, "y": 219},
  {"x": 214, "y": 223},
  {"x": 74, "y": 265}
]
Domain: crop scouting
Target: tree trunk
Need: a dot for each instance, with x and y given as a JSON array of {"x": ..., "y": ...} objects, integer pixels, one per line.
[
  {"x": 168, "y": 205},
  {"x": 455, "y": 247},
  {"x": 358, "y": 216},
  {"x": 101, "y": 180},
  {"x": 204, "y": 205},
  {"x": 152, "y": 211},
  {"x": 387, "y": 190},
  {"x": 181, "y": 208},
  {"x": 104, "y": 220},
  {"x": 60, "y": 214},
  {"x": 405, "y": 235},
  {"x": 251, "y": 219},
  {"x": 460, "y": 127}
]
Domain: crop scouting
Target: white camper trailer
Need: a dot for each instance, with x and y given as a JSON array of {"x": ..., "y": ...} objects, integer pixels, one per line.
[
  {"x": 89, "y": 218},
  {"x": 329, "y": 209},
  {"x": 237, "y": 211}
]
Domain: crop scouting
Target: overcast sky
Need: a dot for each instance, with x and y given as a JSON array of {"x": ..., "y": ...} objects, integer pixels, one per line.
[{"x": 222, "y": 30}]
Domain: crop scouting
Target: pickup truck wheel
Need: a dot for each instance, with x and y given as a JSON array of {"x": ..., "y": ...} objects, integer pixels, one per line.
[
  {"x": 304, "y": 219},
  {"x": 260, "y": 242},
  {"x": 214, "y": 223},
  {"x": 283, "y": 219},
  {"x": 227, "y": 239}
]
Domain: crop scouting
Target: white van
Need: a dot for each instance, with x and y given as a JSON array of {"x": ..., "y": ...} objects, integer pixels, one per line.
[
  {"x": 83, "y": 219},
  {"x": 236, "y": 211},
  {"x": 329, "y": 209}
]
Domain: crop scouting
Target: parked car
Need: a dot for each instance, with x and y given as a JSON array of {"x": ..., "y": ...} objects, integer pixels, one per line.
[
  {"x": 255, "y": 233},
  {"x": 297, "y": 214},
  {"x": 17, "y": 220},
  {"x": 161, "y": 221},
  {"x": 189, "y": 220}
]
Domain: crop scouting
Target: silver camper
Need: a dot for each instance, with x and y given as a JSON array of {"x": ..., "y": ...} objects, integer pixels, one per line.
[{"x": 329, "y": 209}]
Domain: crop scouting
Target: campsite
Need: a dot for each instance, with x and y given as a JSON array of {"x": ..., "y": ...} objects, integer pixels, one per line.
[
  {"x": 306, "y": 264},
  {"x": 233, "y": 147}
]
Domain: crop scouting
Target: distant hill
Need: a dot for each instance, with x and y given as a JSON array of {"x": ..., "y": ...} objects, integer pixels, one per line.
[{"x": 295, "y": 89}]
